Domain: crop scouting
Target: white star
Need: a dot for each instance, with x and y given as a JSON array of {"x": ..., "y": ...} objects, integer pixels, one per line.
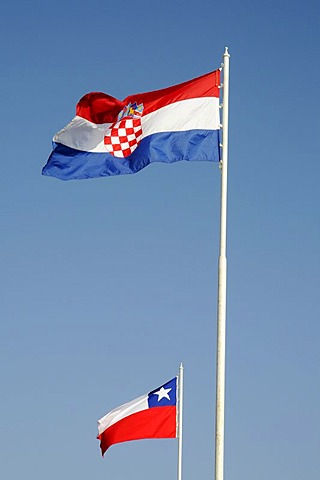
[{"x": 163, "y": 393}]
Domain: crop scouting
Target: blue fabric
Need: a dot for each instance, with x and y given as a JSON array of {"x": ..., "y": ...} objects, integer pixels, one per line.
[
  {"x": 158, "y": 397},
  {"x": 67, "y": 163}
]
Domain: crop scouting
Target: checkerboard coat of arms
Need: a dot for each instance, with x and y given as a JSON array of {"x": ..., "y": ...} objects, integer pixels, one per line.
[{"x": 123, "y": 137}]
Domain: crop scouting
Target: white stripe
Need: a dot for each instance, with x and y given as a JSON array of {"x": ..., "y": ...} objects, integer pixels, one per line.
[
  {"x": 193, "y": 114},
  {"x": 136, "y": 405},
  {"x": 83, "y": 135}
]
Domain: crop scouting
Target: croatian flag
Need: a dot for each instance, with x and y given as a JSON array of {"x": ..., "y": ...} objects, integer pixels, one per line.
[
  {"x": 112, "y": 137},
  {"x": 153, "y": 415}
]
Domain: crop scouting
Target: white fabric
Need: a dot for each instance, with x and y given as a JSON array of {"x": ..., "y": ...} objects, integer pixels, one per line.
[{"x": 192, "y": 114}]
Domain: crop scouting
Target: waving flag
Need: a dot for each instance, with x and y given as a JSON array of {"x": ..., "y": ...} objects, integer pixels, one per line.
[
  {"x": 151, "y": 416},
  {"x": 112, "y": 137}
]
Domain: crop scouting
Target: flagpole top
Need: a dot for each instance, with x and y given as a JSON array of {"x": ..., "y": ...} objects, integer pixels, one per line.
[{"x": 226, "y": 52}]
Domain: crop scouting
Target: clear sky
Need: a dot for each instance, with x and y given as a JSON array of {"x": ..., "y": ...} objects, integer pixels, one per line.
[{"x": 108, "y": 284}]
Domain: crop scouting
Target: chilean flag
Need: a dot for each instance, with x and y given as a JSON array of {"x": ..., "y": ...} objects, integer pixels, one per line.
[
  {"x": 151, "y": 416},
  {"x": 112, "y": 137}
]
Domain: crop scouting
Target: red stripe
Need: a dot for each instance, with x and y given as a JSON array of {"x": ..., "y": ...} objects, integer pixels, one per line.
[
  {"x": 98, "y": 107},
  {"x": 156, "y": 422}
]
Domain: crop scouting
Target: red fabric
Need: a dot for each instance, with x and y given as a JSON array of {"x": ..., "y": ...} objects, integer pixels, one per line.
[
  {"x": 98, "y": 107},
  {"x": 157, "y": 422}
]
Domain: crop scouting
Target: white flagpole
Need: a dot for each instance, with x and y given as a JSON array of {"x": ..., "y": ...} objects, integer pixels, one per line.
[
  {"x": 222, "y": 281},
  {"x": 179, "y": 429}
]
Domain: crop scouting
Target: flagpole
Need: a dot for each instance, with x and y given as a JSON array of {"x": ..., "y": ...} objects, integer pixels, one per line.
[
  {"x": 179, "y": 430},
  {"x": 222, "y": 281}
]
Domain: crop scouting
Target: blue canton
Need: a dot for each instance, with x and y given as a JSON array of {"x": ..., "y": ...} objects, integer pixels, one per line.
[{"x": 165, "y": 395}]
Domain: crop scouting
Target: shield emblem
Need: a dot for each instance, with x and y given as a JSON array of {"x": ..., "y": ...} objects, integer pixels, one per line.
[{"x": 123, "y": 137}]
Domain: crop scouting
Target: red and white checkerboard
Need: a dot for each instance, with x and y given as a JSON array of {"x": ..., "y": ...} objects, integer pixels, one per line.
[{"x": 123, "y": 137}]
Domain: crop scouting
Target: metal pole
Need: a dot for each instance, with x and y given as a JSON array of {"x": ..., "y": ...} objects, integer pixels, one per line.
[
  {"x": 222, "y": 282},
  {"x": 180, "y": 410}
]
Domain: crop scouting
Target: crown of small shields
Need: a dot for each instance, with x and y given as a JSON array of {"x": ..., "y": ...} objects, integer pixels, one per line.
[{"x": 133, "y": 110}]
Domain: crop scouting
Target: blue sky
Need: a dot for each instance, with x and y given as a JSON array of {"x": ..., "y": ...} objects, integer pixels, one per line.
[{"x": 108, "y": 284}]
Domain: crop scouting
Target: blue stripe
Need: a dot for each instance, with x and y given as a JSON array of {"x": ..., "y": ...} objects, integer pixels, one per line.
[{"x": 67, "y": 163}]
